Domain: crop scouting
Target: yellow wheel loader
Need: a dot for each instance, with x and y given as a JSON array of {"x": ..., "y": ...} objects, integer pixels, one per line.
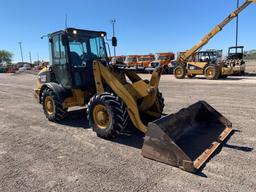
[
  {"x": 80, "y": 75},
  {"x": 205, "y": 67}
]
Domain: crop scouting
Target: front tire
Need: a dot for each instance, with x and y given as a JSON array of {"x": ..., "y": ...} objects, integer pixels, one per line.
[
  {"x": 180, "y": 72},
  {"x": 52, "y": 106},
  {"x": 107, "y": 115},
  {"x": 212, "y": 72}
]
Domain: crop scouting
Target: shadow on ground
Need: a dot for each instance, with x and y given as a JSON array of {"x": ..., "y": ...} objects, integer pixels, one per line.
[
  {"x": 224, "y": 144},
  {"x": 134, "y": 138},
  {"x": 76, "y": 119},
  {"x": 253, "y": 74},
  {"x": 229, "y": 78}
]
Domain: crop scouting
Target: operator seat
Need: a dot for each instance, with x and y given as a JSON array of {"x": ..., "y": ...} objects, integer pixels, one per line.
[{"x": 75, "y": 59}]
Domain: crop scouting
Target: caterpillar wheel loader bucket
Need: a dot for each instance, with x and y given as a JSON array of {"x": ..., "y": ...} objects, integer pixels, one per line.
[{"x": 187, "y": 138}]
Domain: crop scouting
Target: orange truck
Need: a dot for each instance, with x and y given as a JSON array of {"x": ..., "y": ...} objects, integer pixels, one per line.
[
  {"x": 145, "y": 60},
  {"x": 164, "y": 60},
  {"x": 117, "y": 60},
  {"x": 131, "y": 60}
]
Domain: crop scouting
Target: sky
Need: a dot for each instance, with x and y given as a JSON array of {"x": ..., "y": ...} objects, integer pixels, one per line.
[{"x": 142, "y": 26}]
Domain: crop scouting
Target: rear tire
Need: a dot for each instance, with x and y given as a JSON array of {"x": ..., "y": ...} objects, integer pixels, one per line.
[
  {"x": 107, "y": 115},
  {"x": 212, "y": 72},
  {"x": 180, "y": 72},
  {"x": 52, "y": 106}
]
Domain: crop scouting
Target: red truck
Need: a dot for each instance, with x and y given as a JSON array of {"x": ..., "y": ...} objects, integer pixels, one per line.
[{"x": 164, "y": 60}]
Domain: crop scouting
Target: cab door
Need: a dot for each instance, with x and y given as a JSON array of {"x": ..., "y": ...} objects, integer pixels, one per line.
[{"x": 59, "y": 62}]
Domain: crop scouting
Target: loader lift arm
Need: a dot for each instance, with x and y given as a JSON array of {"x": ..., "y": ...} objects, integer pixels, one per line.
[{"x": 184, "y": 57}]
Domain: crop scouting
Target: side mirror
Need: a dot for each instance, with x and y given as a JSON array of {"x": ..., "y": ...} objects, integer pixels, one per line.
[
  {"x": 50, "y": 40},
  {"x": 114, "y": 41},
  {"x": 64, "y": 40}
]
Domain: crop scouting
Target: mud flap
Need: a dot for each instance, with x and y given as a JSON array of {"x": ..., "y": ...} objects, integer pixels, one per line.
[{"x": 187, "y": 138}]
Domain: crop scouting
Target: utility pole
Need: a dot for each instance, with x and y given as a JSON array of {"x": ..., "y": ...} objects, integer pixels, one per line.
[
  {"x": 237, "y": 25},
  {"x": 20, "y": 43},
  {"x": 113, "y": 21},
  {"x": 30, "y": 57}
]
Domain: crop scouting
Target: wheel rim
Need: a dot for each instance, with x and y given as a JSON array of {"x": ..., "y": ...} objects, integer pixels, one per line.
[
  {"x": 210, "y": 73},
  {"x": 49, "y": 105},
  {"x": 178, "y": 72},
  {"x": 101, "y": 116}
]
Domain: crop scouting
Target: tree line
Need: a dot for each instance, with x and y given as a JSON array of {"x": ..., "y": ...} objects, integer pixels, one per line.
[
  {"x": 250, "y": 55},
  {"x": 6, "y": 56}
]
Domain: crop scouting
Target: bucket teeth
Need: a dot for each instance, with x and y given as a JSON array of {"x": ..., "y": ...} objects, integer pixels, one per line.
[{"x": 187, "y": 138}]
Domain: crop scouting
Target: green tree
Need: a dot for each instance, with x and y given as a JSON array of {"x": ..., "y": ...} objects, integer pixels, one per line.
[{"x": 6, "y": 56}]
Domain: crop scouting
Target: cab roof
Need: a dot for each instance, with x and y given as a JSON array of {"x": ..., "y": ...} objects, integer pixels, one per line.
[
  {"x": 234, "y": 47},
  {"x": 70, "y": 30}
]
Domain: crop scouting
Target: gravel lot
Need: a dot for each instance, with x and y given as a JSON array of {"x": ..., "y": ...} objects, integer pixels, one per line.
[{"x": 38, "y": 155}]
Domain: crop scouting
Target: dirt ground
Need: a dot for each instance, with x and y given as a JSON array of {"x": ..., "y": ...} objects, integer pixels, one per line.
[{"x": 38, "y": 155}]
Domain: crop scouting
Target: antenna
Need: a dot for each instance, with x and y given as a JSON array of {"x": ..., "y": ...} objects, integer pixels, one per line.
[{"x": 66, "y": 20}]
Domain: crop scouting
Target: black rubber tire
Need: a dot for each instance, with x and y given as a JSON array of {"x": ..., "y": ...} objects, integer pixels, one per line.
[
  {"x": 147, "y": 118},
  {"x": 160, "y": 99},
  {"x": 59, "y": 112},
  {"x": 242, "y": 73},
  {"x": 215, "y": 70},
  {"x": 117, "y": 112},
  {"x": 182, "y": 69},
  {"x": 191, "y": 76}
]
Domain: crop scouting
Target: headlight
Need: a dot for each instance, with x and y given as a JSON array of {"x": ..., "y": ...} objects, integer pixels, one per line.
[{"x": 170, "y": 65}]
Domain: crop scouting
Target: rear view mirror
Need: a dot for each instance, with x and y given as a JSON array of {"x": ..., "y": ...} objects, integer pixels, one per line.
[{"x": 114, "y": 41}]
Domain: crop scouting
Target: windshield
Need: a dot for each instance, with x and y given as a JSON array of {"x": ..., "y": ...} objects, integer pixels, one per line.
[
  {"x": 114, "y": 59},
  {"x": 130, "y": 59},
  {"x": 163, "y": 58},
  {"x": 86, "y": 48},
  {"x": 145, "y": 59},
  {"x": 236, "y": 50}
]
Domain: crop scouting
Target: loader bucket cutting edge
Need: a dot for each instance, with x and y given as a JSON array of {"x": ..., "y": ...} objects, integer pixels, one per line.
[{"x": 187, "y": 138}]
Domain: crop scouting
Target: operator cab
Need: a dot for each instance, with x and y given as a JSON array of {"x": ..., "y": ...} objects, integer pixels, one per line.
[
  {"x": 72, "y": 52},
  {"x": 205, "y": 56},
  {"x": 236, "y": 52}
]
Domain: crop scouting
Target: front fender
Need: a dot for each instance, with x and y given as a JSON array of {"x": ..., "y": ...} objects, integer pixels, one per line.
[{"x": 58, "y": 89}]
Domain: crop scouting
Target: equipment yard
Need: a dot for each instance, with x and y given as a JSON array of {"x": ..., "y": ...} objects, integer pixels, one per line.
[{"x": 39, "y": 155}]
